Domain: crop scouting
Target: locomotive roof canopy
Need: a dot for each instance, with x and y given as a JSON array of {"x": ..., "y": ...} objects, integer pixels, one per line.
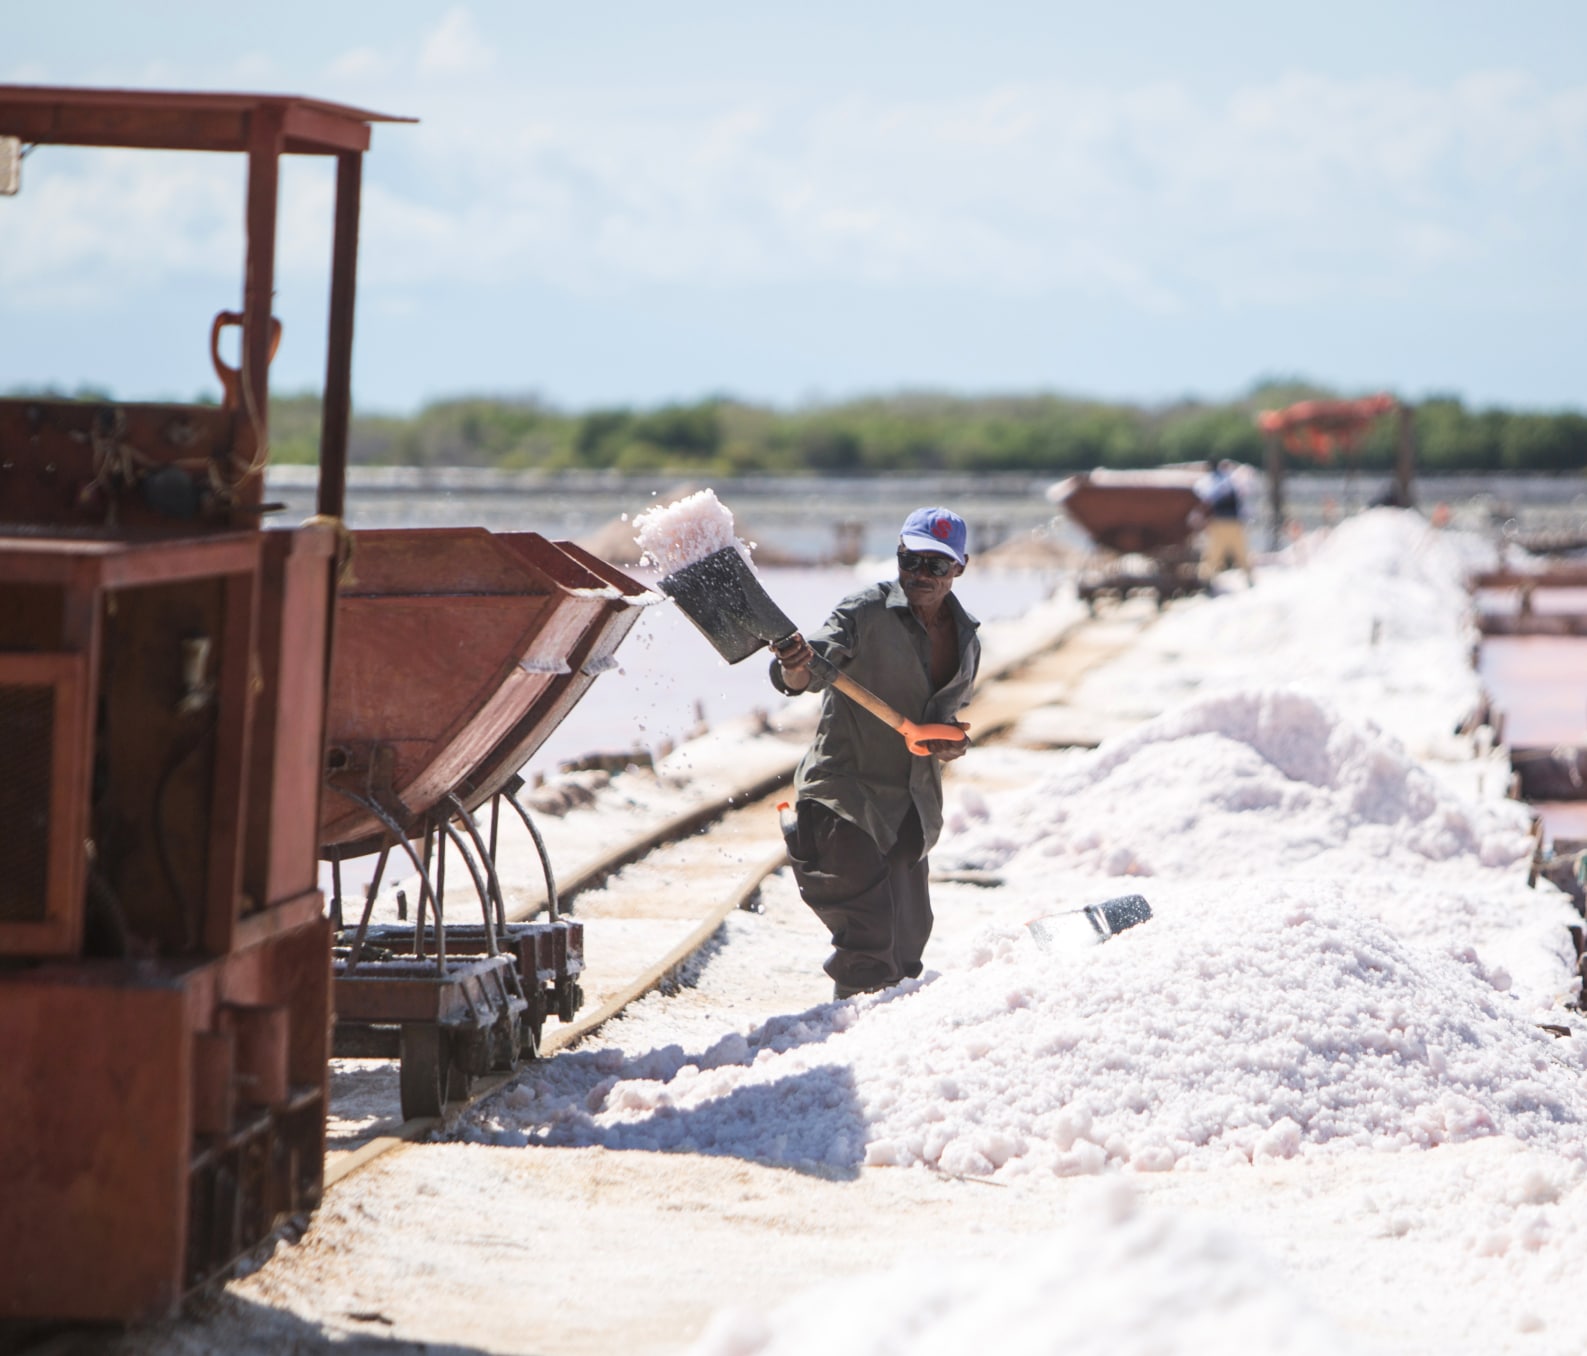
[{"x": 175, "y": 120}]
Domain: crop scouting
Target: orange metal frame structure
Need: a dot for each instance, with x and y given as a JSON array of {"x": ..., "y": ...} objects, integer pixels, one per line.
[
  {"x": 165, "y": 986},
  {"x": 1325, "y": 429}
]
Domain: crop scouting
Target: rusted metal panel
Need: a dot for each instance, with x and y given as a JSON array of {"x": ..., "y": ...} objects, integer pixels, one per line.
[
  {"x": 289, "y": 727},
  {"x": 61, "y": 464},
  {"x": 292, "y": 969},
  {"x": 173, "y": 769},
  {"x": 477, "y": 632},
  {"x": 620, "y": 600},
  {"x": 62, "y": 124},
  {"x": 260, "y": 1039},
  {"x": 384, "y": 992},
  {"x": 44, "y": 795},
  {"x": 94, "y": 1215},
  {"x": 87, "y": 564},
  {"x": 313, "y": 131},
  {"x": 234, "y": 699},
  {"x": 282, "y": 916},
  {"x": 214, "y": 1082},
  {"x": 167, "y": 775},
  {"x": 435, "y": 682},
  {"x": 436, "y": 562},
  {"x": 99, "y": 1169}
]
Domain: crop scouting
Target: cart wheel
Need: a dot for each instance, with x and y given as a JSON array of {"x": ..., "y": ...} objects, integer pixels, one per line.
[
  {"x": 426, "y": 1070},
  {"x": 471, "y": 1054},
  {"x": 570, "y": 998}
]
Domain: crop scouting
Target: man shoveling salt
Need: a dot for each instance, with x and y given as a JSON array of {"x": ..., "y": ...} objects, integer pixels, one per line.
[
  {"x": 866, "y": 812},
  {"x": 868, "y": 808}
]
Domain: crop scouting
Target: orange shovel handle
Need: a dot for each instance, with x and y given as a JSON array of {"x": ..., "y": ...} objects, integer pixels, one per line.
[{"x": 914, "y": 735}]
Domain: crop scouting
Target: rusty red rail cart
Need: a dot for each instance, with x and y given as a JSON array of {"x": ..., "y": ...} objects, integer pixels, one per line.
[
  {"x": 458, "y": 652},
  {"x": 1141, "y": 524}
]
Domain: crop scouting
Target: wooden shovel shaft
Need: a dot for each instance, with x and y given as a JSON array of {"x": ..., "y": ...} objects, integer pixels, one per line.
[
  {"x": 915, "y": 735},
  {"x": 868, "y": 699}
]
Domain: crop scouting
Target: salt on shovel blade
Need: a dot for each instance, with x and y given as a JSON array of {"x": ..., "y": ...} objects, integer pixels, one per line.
[
  {"x": 1089, "y": 926},
  {"x": 722, "y": 597}
]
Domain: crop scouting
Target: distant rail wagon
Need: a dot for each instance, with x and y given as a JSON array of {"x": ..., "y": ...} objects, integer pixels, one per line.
[{"x": 1141, "y": 524}]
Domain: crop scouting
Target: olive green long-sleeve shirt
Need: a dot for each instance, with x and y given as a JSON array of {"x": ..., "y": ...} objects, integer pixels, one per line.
[{"x": 857, "y": 766}]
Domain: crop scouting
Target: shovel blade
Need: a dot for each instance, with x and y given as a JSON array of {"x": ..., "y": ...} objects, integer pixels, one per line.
[
  {"x": 1114, "y": 915},
  {"x": 1090, "y": 926},
  {"x": 722, "y": 597}
]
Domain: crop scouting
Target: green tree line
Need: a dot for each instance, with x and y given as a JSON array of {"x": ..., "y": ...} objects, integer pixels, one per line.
[{"x": 922, "y": 432}]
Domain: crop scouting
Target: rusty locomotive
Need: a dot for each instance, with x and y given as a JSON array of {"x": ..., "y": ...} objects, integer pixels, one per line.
[{"x": 195, "y": 709}]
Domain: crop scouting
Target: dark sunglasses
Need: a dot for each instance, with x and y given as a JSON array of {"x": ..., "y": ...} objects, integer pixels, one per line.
[{"x": 938, "y": 567}]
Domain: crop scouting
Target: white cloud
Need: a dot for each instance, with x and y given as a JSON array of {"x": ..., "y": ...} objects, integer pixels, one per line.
[
  {"x": 90, "y": 221},
  {"x": 1288, "y": 190},
  {"x": 255, "y": 71},
  {"x": 361, "y": 63},
  {"x": 455, "y": 46},
  {"x": 1139, "y": 190}
]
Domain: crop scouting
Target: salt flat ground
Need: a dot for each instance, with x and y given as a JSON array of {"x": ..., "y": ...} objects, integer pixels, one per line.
[{"x": 1310, "y": 1105}]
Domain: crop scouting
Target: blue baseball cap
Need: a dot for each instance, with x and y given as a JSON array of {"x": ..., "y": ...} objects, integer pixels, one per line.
[{"x": 939, "y": 531}]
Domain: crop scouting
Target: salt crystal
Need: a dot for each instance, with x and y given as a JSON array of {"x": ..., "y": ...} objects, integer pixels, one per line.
[{"x": 672, "y": 536}]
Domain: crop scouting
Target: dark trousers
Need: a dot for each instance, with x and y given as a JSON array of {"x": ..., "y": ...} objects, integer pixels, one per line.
[{"x": 875, "y": 904}]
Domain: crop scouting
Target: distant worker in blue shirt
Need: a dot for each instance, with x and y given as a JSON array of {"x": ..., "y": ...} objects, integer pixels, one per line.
[{"x": 1222, "y": 518}]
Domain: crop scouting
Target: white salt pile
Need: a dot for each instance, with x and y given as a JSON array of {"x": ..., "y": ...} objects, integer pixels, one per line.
[
  {"x": 1117, "y": 1280},
  {"x": 1378, "y": 620},
  {"x": 1238, "y": 1025},
  {"x": 1275, "y": 783},
  {"x": 1329, "y": 968},
  {"x": 1270, "y": 779},
  {"x": 671, "y": 536}
]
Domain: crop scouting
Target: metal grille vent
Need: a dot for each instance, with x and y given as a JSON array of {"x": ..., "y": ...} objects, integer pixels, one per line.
[{"x": 27, "y": 727}]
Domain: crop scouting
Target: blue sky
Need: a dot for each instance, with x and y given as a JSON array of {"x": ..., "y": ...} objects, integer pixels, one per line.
[{"x": 635, "y": 203}]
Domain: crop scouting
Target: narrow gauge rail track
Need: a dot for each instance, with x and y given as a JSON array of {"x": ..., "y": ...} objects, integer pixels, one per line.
[{"x": 1034, "y": 668}]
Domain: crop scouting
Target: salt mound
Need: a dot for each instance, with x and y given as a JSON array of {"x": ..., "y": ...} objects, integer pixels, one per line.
[
  {"x": 1389, "y": 545},
  {"x": 1379, "y": 620},
  {"x": 1116, "y": 1280},
  {"x": 1295, "y": 1025},
  {"x": 671, "y": 536},
  {"x": 1268, "y": 779}
]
